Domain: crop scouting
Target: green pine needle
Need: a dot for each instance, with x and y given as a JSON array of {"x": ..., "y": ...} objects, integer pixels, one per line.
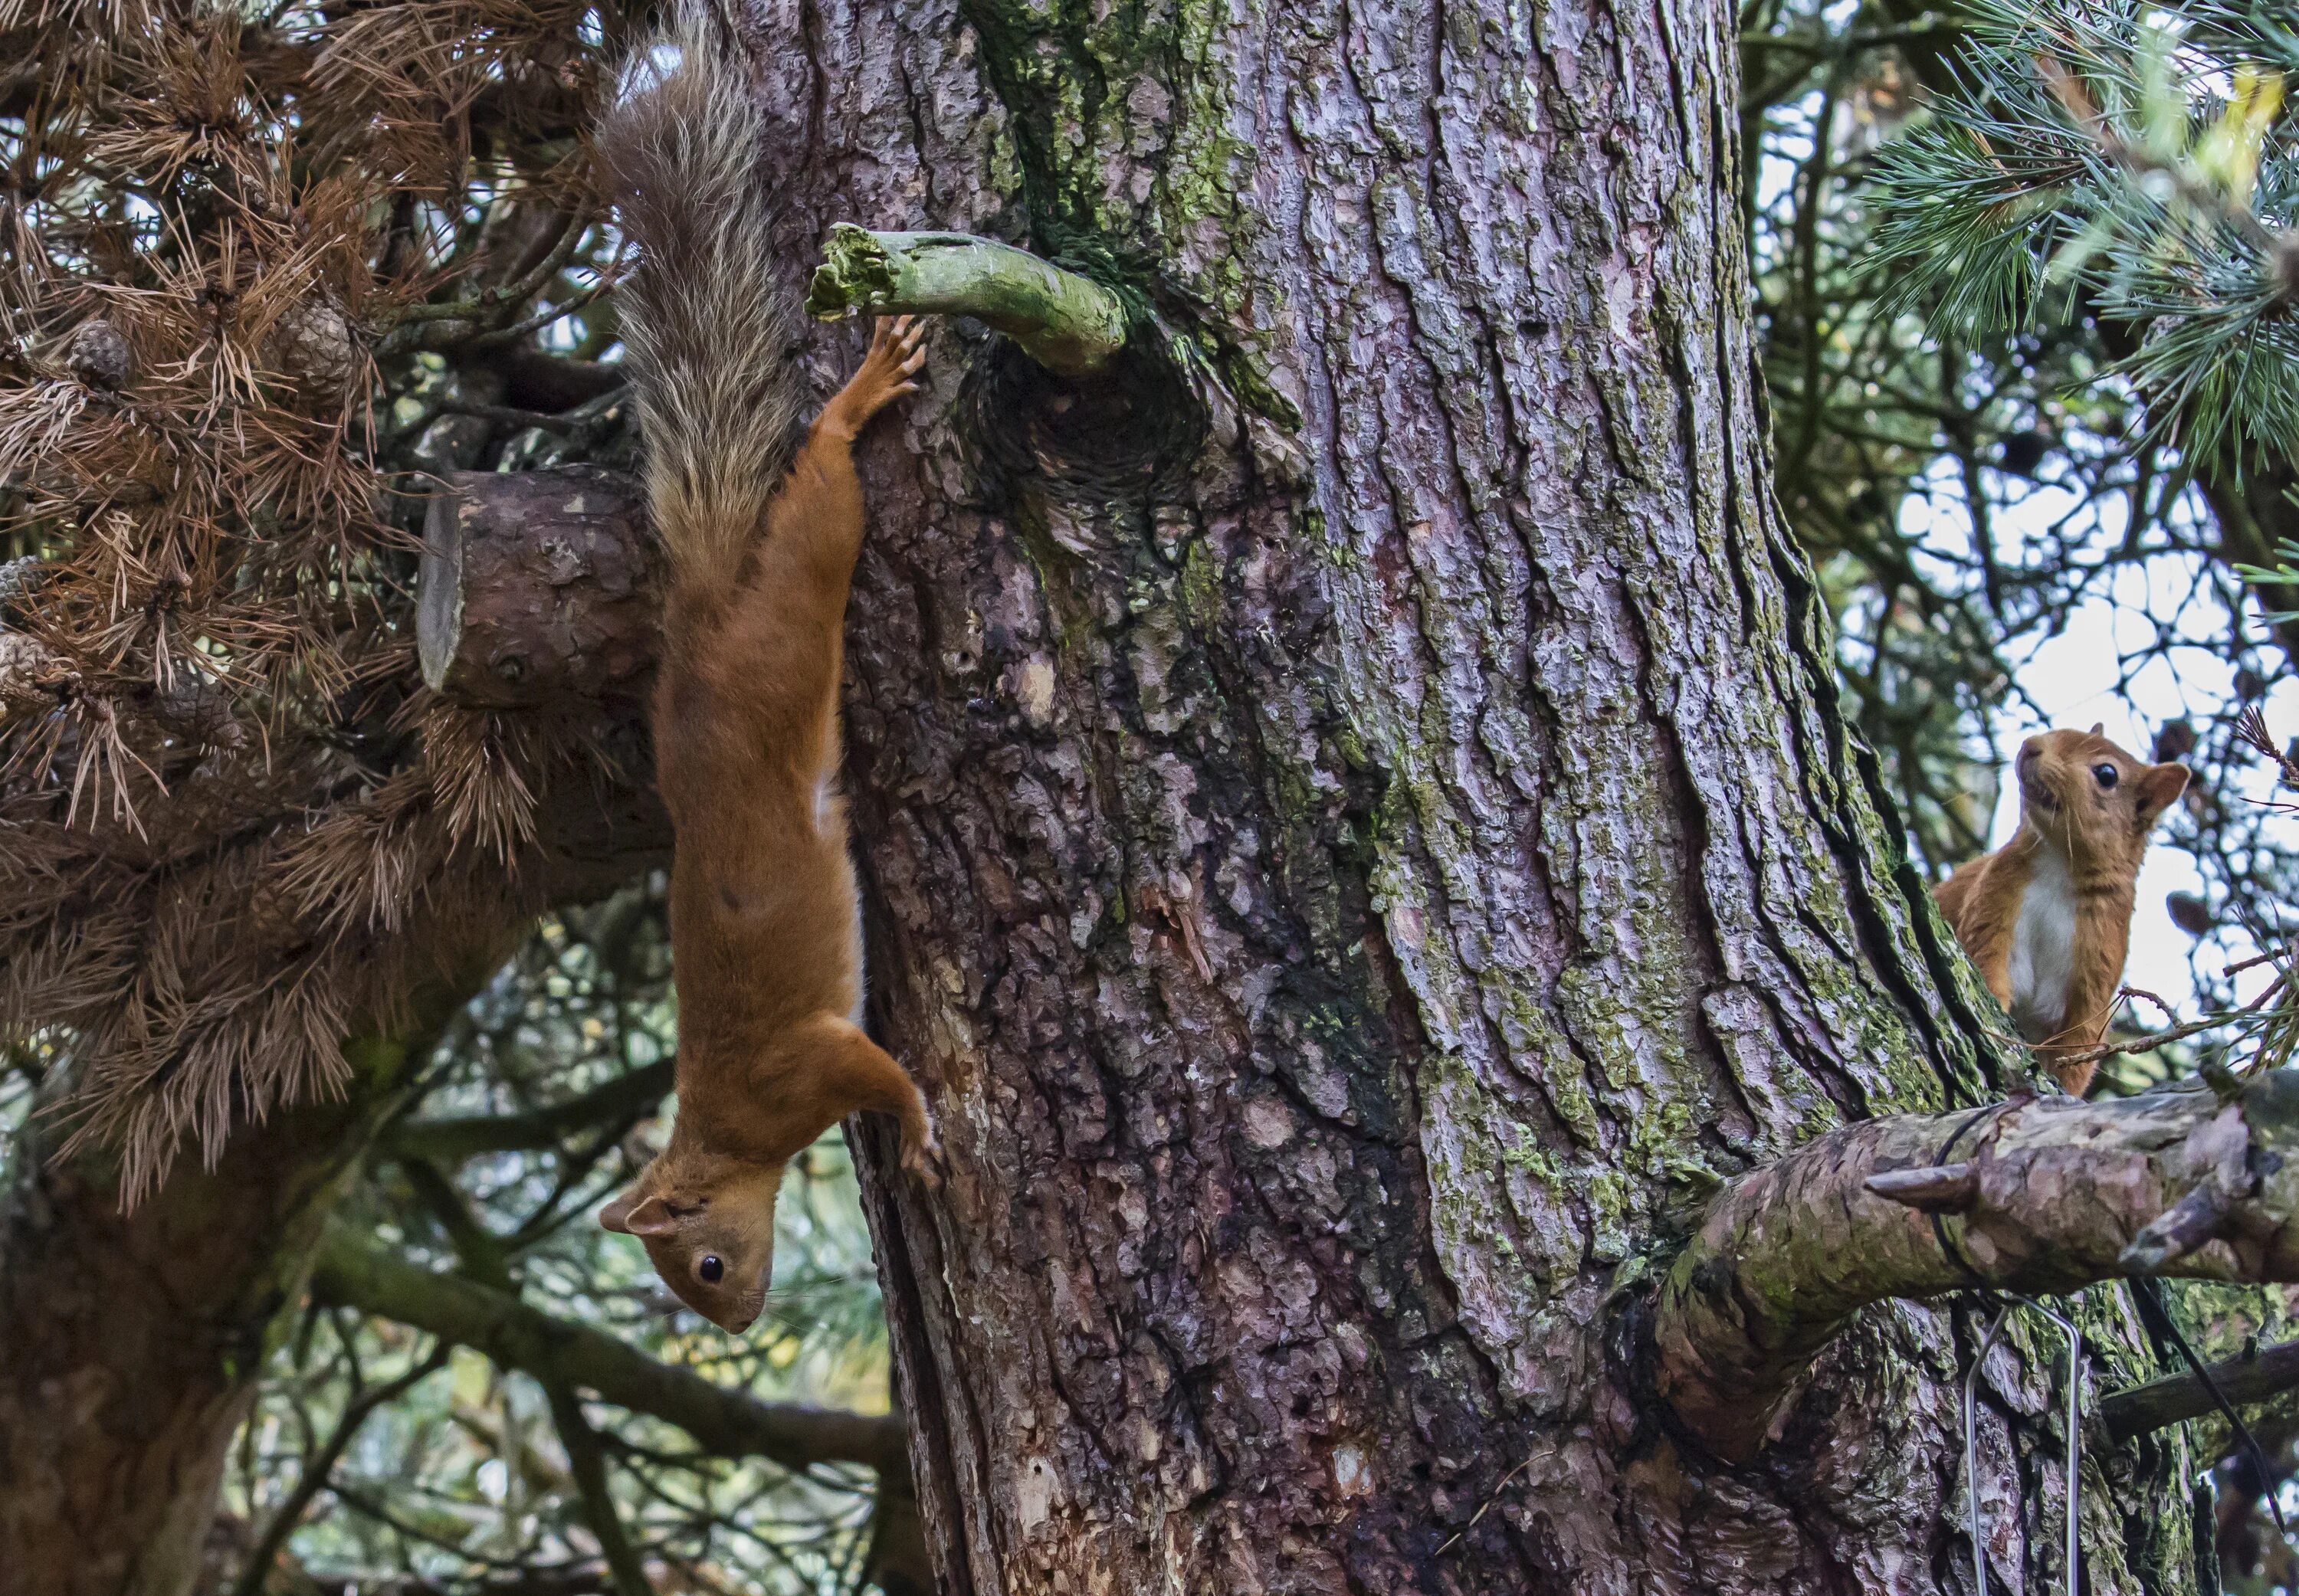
[{"x": 2131, "y": 163}]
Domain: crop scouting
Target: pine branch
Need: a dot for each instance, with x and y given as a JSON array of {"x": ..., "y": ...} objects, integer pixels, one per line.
[
  {"x": 2094, "y": 150},
  {"x": 449, "y": 1140},
  {"x": 721, "y": 1420}
]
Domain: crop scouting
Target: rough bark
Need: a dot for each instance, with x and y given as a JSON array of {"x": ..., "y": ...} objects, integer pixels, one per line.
[
  {"x": 1358, "y": 838},
  {"x": 2040, "y": 1196},
  {"x": 1357, "y": 861},
  {"x": 133, "y": 1342},
  {"x": 537, "y": 588}
]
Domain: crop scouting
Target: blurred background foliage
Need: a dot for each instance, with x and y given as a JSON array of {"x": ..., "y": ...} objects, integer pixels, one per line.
[
  {"x": 1978, "y": 465},
  {"x": 451, "y": 1471}
]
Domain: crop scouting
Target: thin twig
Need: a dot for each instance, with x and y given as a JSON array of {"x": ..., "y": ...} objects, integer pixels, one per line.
[
  {"x": 2161, "y": 1038},
  {"x": 318, "y": 1470},
  {"x": 1487, "y": 1507}
]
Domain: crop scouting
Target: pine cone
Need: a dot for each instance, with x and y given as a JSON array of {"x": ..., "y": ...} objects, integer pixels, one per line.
[
  {"x": 313, "y": 343},
  {"x": 98, "y": 355}
]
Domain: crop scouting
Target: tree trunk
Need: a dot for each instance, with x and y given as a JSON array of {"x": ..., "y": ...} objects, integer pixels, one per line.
[
  {"x": 1360, "y": 845},
  {"x": 130, "y": 1343},
  {"x": 134, "y": 1341},
  {"x": 1354, "y": 875}
]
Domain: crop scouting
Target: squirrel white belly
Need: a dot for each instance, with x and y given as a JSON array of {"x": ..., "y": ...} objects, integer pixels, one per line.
[{"x": 2047, "y": 916}]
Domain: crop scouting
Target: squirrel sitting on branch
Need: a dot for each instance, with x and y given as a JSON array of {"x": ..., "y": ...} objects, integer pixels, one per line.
[
  {"x": 765, "y": 930},
  {"x": 2047, "y": 916}
]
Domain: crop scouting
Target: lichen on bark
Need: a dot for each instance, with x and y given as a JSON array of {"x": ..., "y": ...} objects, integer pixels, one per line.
[
  {"x": 1069, "y": 324},
  {"x": 1353, "y": 895}
]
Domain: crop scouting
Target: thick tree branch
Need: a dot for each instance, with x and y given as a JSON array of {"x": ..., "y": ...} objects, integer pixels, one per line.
[
  {"x": 2036, "y": 1194},
  {"x": 515, "y": 1336},
  {"x": 538, "y": 589},
  {"x": 1069, "y": 324}
]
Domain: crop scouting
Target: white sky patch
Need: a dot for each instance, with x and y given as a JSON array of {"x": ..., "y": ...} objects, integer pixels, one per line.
[{"x": 2071, "y": 679}]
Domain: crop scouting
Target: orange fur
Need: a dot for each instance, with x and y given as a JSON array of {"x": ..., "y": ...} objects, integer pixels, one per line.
[
  {"x": 766, "y": 941},
  {"x": 764, "y": 937},
  {"x": 2081, "y": 842}
]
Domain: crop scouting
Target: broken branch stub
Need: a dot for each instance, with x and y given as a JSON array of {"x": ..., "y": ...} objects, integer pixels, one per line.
[
  {"x": 1070, "y": 325},
  {"x": 537, "y": 587},
  {"x": 2045, "y": 1195}
]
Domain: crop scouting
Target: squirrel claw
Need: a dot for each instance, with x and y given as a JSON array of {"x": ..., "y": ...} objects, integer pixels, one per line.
[
  {"x": 896, "y": 353},
  {"x": 923, "y": 1158}
]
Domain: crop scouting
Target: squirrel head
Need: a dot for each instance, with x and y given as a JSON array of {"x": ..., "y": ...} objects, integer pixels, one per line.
[
  {"x": 2090, "y": 799},
  {"x": 710, "y": 1227}
]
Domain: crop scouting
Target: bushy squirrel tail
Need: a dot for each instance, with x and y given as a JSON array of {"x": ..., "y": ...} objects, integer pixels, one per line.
[{"x": 711, "y": 338}]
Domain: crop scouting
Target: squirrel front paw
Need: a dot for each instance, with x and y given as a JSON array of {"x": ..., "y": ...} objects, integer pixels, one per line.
[
  {"x": 922, "y": 1154},
  {"x": 896, "y": 356}
]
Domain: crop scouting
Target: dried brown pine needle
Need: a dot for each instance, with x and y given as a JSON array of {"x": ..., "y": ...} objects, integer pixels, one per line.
[{"x": 224, "y": 798}]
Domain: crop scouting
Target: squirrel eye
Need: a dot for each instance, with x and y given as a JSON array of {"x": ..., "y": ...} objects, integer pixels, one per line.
[
  {"x": 2105, "y": 775},
  {"x": 712, "y": 1268}
]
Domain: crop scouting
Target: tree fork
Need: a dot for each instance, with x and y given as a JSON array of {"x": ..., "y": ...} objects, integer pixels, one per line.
[{"x": 2040, "y": 1195}]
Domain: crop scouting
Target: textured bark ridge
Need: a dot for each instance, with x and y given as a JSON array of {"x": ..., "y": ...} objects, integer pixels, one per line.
[
  {"x": 137, "y": 1338},
  {"x": 1352, "y": 892},
  {"x": 2039, "y": 1195}
]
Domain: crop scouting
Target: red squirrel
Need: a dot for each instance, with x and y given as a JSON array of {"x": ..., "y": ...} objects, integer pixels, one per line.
[
  {"x": 2047, "y": 916},
  {"x": 765, "y": 932}
]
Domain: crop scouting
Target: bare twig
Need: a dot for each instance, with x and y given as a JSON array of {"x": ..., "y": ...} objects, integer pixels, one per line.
[
  {"x": 515, "y": 1336},
  {"x": 318, "y": 1469},
  {"x": 586, "y": 1460}
]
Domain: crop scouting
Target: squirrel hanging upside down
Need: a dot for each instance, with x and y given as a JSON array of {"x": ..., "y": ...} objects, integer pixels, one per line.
[
  {"x": 2047, "y": 916},
  {"x": 766, "y": 938}
]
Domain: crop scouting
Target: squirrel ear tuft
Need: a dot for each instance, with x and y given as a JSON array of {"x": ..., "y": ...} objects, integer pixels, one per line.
[
  {"x": 2159, "y": 786},
  {"x": 652, "y": 1218},
  {"x": 634, "y": 1215},
  {"x": 2099, "y": 728}
]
